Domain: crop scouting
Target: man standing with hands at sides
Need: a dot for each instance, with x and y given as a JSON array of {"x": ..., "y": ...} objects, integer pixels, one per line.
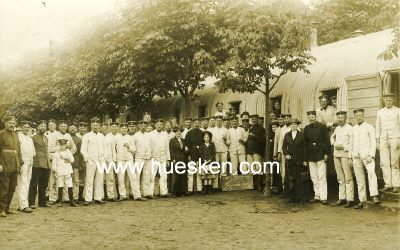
[
  {"x": 316, "y": 140},
  {"x": 159, "y": 144},
  {"x": 93, "y": 153},
  {"x": 237, "y": 139},
  {"x": 340, "y": 140},
  {"x": 193, "y": 140},
  {"x": 362, "y": 151},
  {"x": 110, "y": 141},
  {"x": 40, "y": 168},
  {"x": 388, "y": 142},
  {"x": 131, "y": 128},
  {"x": 10, "y": 164},
  {"x": 24, "y": 177},
  {"x": 78, "y": 159},
  {"x": 141, "y": 143},
  {"x": 220, "y": 138},
  {"x": 82, "y": 127}
]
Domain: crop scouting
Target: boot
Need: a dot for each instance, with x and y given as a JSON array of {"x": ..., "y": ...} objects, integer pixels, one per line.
[
  {"x": 60, "y": 196},
  {"x": 339, "y": 203},
  {"x": 71, "y": 198},
  {"x": 361, "y": 205},
  {"x": 349, "y": 204},
  {"x": 376, "y": 200},
  {"x": 396, "y": 189}
]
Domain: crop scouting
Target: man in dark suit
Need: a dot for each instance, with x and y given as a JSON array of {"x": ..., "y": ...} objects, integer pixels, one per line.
[
  {"x": 40, "y": 168},
  {"x": 177, "y": 149},
  {"x": 10, "y": 164},
  {"x": 293, "y": 149},
  {"x": 193, "y": 140},
  {"x": 317, "y": 147}
]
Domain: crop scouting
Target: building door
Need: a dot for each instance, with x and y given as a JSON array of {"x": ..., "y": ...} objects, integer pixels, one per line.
[{"x": 364, "y": 91}]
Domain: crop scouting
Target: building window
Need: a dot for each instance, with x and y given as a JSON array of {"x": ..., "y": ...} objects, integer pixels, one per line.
[
  {"x": 276, "y": 104},
  {"x": 395, "y": 87},
  {"x": 332, "y": 94},
  {"x": 202, "y": 111},
  {"x": 234, "y": 108}
]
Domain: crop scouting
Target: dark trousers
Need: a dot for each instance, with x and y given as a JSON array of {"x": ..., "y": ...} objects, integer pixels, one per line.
[
  {"x": 296, "y": 184},
  {"x": 39, "y": 183},
  {"x": 8, "y": 182}
]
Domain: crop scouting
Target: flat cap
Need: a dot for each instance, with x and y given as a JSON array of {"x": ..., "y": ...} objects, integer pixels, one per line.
[
  {"x": 326, "y": 97},
  {"x": 131, "y": 123},
  {"x": 312, "y": 112},
  {"x": 23, "y": 123},
  {"x": 388, "y": 94},
  {"x": 341, "y": 113},
  {"x": 358, "y": 111},
  {"x": 123, "y": 125}
]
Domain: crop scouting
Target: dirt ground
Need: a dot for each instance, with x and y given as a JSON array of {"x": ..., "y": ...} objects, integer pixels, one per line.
[{"x": 235, "y": 220}]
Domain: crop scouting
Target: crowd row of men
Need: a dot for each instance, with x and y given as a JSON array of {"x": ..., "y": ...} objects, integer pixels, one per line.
[{"x": 26, "y": 159}]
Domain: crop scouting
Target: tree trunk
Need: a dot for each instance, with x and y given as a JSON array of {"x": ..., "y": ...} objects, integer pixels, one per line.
[
  {"x": 188, "y": 107},
  {"x": 267, "y": 124}
]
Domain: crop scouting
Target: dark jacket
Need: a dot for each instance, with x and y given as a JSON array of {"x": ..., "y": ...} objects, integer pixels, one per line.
[
  {"x": 10, "y": 151},
  {"x": 316, "y": 139},
  {"x": 177, "y": 152},
  {"x": 42, "y": 157},
  {"x": 193, "y": 140},
  {"x": 256, "y": 142},
  {"x": 78, "y": 157},
  {"x": 294, "y": 148},
  {"x": 207, "y": 153}
]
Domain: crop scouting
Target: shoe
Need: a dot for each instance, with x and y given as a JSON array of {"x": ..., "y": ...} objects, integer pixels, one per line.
[
  {"x": 188, "y": 193},
  {"x": 99, "y": 202},
  {"x": 122, "y": 199},
  {"x": 149, "y": 197},
  {"x": 10, "y": 212},
  {"x": 141, "y": 199},
  {"x": 314, "y": 200},
  {"x": 51, "y": 203},
  {"x": 27, "y": 210},
  {"x": 386, "y": 189},
  {"x": 3, "y": 214},
  {"x": 33, "y": 207},
  {"x": 396, "y": 190},
  {"x": 324, "y": 202},
  {"x": 86, "y": 203},
  {"x": 376, "y": 200},
  {"x": 339, "y": 203},
  {"x": 360, "y": 205},
  {"x": 349, "y": 204},
  {"x": 45, "y": 205},
  {"x": 112, "y": 200},
  {"x": 59, "y": 204},
  {"x": 73, "y": 204}
]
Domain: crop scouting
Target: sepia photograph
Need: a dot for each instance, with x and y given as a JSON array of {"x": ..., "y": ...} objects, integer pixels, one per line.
[{"x": 200, "y": 124}]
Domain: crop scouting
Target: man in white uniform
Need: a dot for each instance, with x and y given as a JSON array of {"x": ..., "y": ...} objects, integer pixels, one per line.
[
  {"x": 388, "y": 142},
  {"x": 340, "y": 140},
  {"x": 220, "y": 110},
  {"x": 110, "y": 155},
  {"x": 237, "y": 140},
  {"x": 220, "y": 138},
  {"x": 93, "y": 153},
  {"x": 24, "y": 176},
  {"x": 362, "y": 150}
]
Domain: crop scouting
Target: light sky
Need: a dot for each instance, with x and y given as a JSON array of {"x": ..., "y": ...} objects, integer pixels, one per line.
[{"x": 28, "y": 26}]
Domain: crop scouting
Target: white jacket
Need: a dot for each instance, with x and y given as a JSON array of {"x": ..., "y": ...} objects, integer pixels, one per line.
[
  {"x": 388, "y": 123},
  {"x": 363, "y": 141},
  {"x": 93, "y": 147}
]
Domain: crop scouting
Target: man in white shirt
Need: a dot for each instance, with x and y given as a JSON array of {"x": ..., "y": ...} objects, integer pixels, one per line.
[
  {"x": 25, "y": 174},
  {"x": 388, "y": 142},
  {"x": 93, "y": 151},
  {"x": 220, "y": 110},
  {"x": 141, "y": 142},
  {"x": 110, "y": 141},
  {"x": 237, "y": 139},
  {"x": 211, "y": 122},
  {"x": 340, "y": 140},
  {"x": 159, "y": 144},
  {"x": 362, "y": 150},
  {"x": 220, "y": 138},
  {"x": 188, "y": 126},
  {"x": 326, "y": 114}
]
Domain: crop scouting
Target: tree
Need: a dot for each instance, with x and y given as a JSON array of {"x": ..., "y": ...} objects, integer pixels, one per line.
[
  {"x": 338, "y": 19},
  {"x": 262, "y": 47},
  {"x": 393, "y": 48}
]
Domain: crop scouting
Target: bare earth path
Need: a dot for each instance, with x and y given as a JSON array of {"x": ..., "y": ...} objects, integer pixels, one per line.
[{"x": 236, "y": 220}]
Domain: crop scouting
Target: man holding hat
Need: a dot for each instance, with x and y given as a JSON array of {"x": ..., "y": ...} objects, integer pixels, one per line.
[
  {"x": 25, "y": 174},
  {"x": 40, "y": 168},
  {"x": 340, "y": 140},
  {"x": 93, "y": 153},
  {"x": 317, "y": 147},
  {"x": 10, "y": 164},
  {"x": 362, "y": 150},
  {"x": 388, "y": 142}
]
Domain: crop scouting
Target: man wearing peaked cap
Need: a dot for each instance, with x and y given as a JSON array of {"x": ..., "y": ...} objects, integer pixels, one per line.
[
  {"x": 93, "y": 151},
  {"x": 317, "y": 147},
  {"x": 193, "y": 139},
  {"x": 10, "y": 164},
  {"x": 132, "y": 127},
  {"x": 24, "y": 176},
  {"x": 110, "y": 156},
  {"x": 188, "y": 126},
  {"x": 340, "y": 139},
  {"x": 237, "y": 137},
  {"x": 362, "y": 151},
  {"x": 245, "y": 115},
  {"x": 388, "y": 142},
  {"x": 221, "y": 141},
  {"x": 78, "y": 160}
]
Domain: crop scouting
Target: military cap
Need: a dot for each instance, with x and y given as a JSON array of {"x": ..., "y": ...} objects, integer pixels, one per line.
[
  {"x": 312, "y": 112},
  {"x": 123, "y": 125},
  {"x": 82, "y": 124},
  {"x": 388, "y": 94},
  {"x": 225, "y": 119},
  {"x": 159, "y": 120},
  {"x": 326, "y": 97},
  {"x": 254, "y": 116},
  {"x": 62, "y": 141},
  {"x": 61, "y": 122},
  {"x": 341, "y": 113},
  {"x": 358, "y": 111},
  {"x": 176, "y": 129},
  {"x": 8, "y": 118},
  {"x": 52, "y": 121},
  {"x": 245, "y": 113},
  {"x": 114, "y": 124},
  {"x": 245, "y": 120},
  {"x": 141, "y": 122},
  {"x": 233, "y": 118},
  {"x": 196, "y": 119},
  {"x": 95, "y": 120},
  {"x": 286, "y": 115},
  {"x": 274, "y": 122},
  {"x": 219, "y": 117},
  {"x": 132, "y": 123},
  {"x": 294, "y": 120},
  {"x": 41, "y": 122},
  {"x": 23, "y": 123},
  {"x": 188, "y": 119},
  {"x": 205, "y": 118}
]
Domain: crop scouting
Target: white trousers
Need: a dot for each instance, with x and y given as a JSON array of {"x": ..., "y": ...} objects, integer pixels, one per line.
[
  {"x": 148, "y": 177},
  {"x": 53, "y": 187},
  {"x": 220, "y": 157},
  {"x": 199, "y": 184},
  {"x": 110, "y": 184},
  {"x": 75, "y": 182},
  {"x": 64, "y": 181},
  {"x": 162, "y": 170},
  {"x": 282, "y": 169},
  {"x": 359, "y": 165},
  {"x": 236, "y": 159},
  {"x": 93, "y": 182},
  {"x": 121, "y": 181},
  {"x": 390, "y": 154},
  {"x": 134, "y": 180},
  {"x": 345, "y": 178},
  {"x": 23, "y": 181},
  {"x": 318, "y": 177}
]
